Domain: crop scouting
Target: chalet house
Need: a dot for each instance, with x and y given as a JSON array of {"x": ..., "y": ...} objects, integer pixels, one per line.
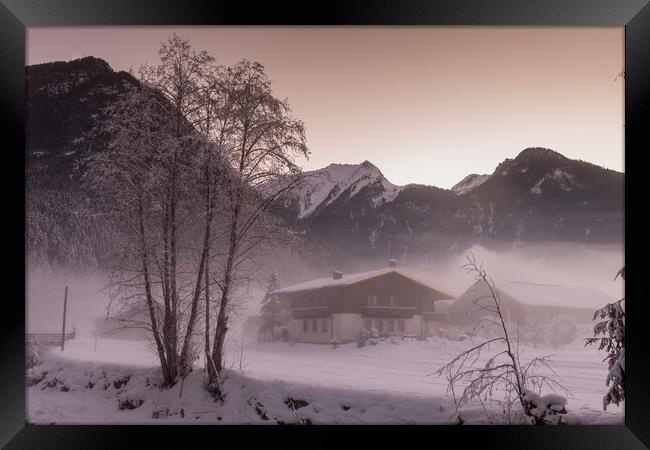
[
  {"x": 522, "y": 300},
  {"x": 388, "y": 300}
]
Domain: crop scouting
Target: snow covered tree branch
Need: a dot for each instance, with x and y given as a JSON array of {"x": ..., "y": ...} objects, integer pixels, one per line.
[{"x": 609, "y": 334}]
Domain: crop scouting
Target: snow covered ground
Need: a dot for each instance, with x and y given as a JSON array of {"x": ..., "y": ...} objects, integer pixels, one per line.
[{"x": 386, "y": 383}]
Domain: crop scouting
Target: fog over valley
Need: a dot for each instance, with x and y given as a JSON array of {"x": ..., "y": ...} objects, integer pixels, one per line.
[{"x": 568, "y": 264}]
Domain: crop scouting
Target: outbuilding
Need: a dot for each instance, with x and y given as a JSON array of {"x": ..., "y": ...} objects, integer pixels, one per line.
[{"x": 520, "y": 301}]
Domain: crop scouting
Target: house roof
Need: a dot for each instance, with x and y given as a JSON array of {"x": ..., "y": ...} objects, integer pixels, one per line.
[
  {"x": 540, "y": 294},
  {"x": 352, "y": 278}
]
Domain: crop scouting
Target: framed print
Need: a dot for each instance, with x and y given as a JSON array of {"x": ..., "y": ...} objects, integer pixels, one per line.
[{"x": 245, "y": 216}]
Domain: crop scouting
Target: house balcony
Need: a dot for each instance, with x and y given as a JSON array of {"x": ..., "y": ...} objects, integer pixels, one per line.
[
  {"x": 400, "y": 312},
  {"x": 429, "y": 315},
  {"x": 308, "y": 312}
]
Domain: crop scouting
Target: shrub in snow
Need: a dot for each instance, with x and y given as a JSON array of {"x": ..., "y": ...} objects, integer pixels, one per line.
[
  {"x": 129, "y": 403},
  {"x": 135, "y": 389},
  {"x": 119, "y": 382},
  {"x": 284, "y": 333},
  {"x": 34, "y": 377},
  {"x": 164, "y": 411},
  {"x": 367, "y": 337},
  {"x": 364, "y": 335},
  {"x": 374, "y": 337},
  {"x": 545, "y": 409},
  {"x": 54, "y": 383},
  {"x": 33, "y": 356},
  {"x": 335, "y": 342}
]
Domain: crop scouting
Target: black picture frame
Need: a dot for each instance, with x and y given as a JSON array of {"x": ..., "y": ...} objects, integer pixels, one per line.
[{"x": 15, "y": 15}]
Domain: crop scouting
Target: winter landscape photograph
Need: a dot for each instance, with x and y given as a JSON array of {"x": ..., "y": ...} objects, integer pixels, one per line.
[{"x": 325, "y": 225}]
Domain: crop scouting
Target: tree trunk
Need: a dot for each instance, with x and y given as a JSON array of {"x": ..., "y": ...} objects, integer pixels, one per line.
[
  {"x": 208, "y": 362},
  {"x": 222, "y": 319},
  {"x": 207, "y": 352},
  {"x": 174, "y": 360},
  {"x": 165, "y": 275},
  {"x": 185, "y": 364},
  {"x": 168, "y": 377}
]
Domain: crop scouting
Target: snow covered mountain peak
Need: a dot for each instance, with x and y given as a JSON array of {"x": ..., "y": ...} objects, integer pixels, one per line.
[
  {"x": 469, "y": 183},
  {"x": 343, "y": 181}
]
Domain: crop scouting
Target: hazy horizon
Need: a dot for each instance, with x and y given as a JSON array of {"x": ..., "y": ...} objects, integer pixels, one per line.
[
  {"x": 569, "y": 264},
  {"x": 408, "y": 98}
]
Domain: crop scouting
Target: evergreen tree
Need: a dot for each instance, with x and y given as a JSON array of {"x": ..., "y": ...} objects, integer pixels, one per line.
[
  {"x": 609, "y": 333},
  {"x": 270, "y": 306}
]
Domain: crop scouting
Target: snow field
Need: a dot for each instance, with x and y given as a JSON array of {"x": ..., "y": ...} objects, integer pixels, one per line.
[{"x": 382, "y": 384}]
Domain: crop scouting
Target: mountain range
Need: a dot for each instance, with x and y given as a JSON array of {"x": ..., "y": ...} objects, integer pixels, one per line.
[
  {"x": 539, "y": 196},
  {"x": 342, "y": 209}
]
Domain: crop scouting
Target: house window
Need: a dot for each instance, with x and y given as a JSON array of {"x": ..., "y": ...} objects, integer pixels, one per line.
[
  {"x": 380, "y": 325},
  {"x": 392, "y": 301},
  {"x": 314, "y": 326},
  {"x": 367, "y": 324},
  {"x": 400, "y": 325},
  {"x": 305, "y": 326},
  {"x": 389, "y": 325},
  {"x": 372, "y": 300},
  {"x": 326, "y": 325}
]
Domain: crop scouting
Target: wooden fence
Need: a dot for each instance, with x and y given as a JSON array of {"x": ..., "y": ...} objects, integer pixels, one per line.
[{"x": 47, "y": 338}]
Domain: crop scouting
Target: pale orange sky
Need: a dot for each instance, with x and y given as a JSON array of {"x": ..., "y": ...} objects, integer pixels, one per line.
[{"x": 425, "y": 104}]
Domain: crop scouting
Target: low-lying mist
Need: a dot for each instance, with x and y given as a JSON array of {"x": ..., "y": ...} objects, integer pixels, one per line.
[
  {"x": 44, "y": 301},
  {"x": 557, "y": 263},
  {"x": 563, "y": 263}
]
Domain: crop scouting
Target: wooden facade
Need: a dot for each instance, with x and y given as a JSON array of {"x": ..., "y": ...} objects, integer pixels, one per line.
[{"x": 390, "y": 301}]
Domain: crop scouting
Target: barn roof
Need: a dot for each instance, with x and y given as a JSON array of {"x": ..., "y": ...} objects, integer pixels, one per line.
[
  {"x": 540, "y": 294},
  {"x": 352, "y": 278}
]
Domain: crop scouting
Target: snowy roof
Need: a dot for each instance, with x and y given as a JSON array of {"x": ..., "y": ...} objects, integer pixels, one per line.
[
  {"x": 554, "y": 294},
  {"x": 348, "y": 279}
]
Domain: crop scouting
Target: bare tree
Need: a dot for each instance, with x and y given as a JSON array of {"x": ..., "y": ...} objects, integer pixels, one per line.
[
  {"x": 197, "y": 155},
  {"x": 182, "y": 78},
  {"x": 262, "y": 145},
  {"x": 145, "y": 178},
  {"x": 503, "y": 373}
]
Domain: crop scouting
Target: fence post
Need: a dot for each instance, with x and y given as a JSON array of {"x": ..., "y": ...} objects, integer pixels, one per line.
[{"x": 65, "y": 305}]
